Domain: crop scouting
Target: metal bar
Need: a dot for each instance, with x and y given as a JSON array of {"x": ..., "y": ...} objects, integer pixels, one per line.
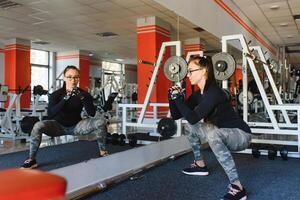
[
  {"x": 270, "y": 78},
  {"x": 155, "y": 73}
]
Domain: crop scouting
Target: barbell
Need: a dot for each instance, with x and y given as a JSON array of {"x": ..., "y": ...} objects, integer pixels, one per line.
[
  {"x": 175, "y": 68},
  {"x": 250, "y": 97},
  {"x": 224, "y": 65},
  {"x": 167, "y": 127}
]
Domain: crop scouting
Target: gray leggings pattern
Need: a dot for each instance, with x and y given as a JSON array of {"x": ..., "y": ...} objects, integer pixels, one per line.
[
  {"x": 221, "y": 142},
  {"x": 96, "y": 126}
]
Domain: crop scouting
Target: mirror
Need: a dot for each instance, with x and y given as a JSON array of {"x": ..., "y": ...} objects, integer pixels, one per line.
[{"x": 113, "y": 68}]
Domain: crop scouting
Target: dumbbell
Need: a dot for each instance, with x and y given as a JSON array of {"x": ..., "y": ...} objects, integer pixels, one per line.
[
  {"x": 132, "y": 140},
  {"x": 115, "y": 139},
  {"x": 272, "y": 152},
  {"x": 284, "y": 153},
  {"x": 255, "y": 152}
]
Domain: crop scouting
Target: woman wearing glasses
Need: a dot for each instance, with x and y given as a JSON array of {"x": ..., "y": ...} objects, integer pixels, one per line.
[
  {"x": 222, "y": 128},
  {"x": 64, "y": 112}
]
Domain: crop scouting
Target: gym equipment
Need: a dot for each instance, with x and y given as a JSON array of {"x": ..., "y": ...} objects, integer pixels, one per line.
[
  {"x": 224, "y": 65},
  {"x": 250, "y": 97},
  {"x": 134, "y": 96},
  {"x": 167, "y": 127},
  {"x": 284, "y": 153},
  {"x": 175, "y": 68},
  {"x": 255, "y": 152},
  {"x": 121, "y": 139},
  {"x": 272, "y": 152},
  {"x": 3, "y": 93},
  {"x": 132, "y": 140},
  {"x": 115, "y": 139},
  {"x": 39, "y": 90},
  {"x": 27, "y": 123}
]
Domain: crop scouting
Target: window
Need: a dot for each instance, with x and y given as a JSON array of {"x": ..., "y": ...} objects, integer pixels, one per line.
[{"x": 40, "y": 70}]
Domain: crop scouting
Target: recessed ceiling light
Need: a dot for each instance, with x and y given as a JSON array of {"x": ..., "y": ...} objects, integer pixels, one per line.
[
  {"x": 274, "y": 7},
  {"x": 283, "y": 24},
  {"x": 107, "y": 34},
  {"x": 40, "y": 42},
  {"x": 119, "y": 59}
]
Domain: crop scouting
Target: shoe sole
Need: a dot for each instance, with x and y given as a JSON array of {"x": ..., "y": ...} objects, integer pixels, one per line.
[
  {"x": 196, "y": 173},
  {"x": 32, "y": 167}
]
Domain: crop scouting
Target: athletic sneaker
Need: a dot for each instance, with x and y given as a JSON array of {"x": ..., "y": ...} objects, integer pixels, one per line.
[
  {"x": 194, "y": 169},
  {"x": 29, "y": 164},
  {"x": 235, "y": 193}
]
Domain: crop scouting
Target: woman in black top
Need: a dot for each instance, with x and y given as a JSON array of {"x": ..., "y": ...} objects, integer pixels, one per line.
[
  {"x": 64, "y": 112},
  {"x": 222, "y": 128}
]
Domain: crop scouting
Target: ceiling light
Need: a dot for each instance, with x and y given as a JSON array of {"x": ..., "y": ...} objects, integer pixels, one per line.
[
  {"x": 274, "y": 7},
  {"x": 284, "y": 24},
  {"x": 107, "y": 34},
  {"x": 40, "y": 42},
  {"x": 119, "y": 59}
]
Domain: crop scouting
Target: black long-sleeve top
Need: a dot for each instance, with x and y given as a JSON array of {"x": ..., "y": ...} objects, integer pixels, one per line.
[
  {"x": 67, "y": 112},
  {"x": 213, "y": 106}
]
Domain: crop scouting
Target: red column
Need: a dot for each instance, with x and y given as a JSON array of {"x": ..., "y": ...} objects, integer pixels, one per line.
[
  {"x": 84, "y": 66},
  {"x": 78, "y": 58},
  {"x": 17, "y": 67},
  {"x": 191, "y": 45},
  {"x": 151, "y": 33}
]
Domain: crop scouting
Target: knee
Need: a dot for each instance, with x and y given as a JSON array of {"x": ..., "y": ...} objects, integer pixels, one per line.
[
  {"x": 38, "y": 126},
  {"x": 100, "y": 123},
  {"x": 187, "y": 129},
  {"x": 213, "y": 137}
]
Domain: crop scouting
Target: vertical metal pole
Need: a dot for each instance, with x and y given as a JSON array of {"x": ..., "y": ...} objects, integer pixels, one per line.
[{"x": 155, "y": 73}]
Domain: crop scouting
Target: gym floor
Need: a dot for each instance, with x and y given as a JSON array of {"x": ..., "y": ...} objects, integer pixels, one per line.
[{"x": 263, "y": 179}]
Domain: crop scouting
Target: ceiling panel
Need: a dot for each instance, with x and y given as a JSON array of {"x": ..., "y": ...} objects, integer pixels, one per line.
[{"x": 277, "y": 14}]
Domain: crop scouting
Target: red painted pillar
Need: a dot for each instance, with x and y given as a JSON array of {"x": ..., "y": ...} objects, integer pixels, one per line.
[
  {"x": 191, "y": 45},
  {"x": 78, "y": 58},
  {"x": 84, "y": 66},
  {"x": 17, "y": 67},
  {"x": 151, "y": 33}
]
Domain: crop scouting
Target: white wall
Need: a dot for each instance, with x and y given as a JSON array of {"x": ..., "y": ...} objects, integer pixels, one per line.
[
  {"x": 95, "y": 71},
  {"x": 208, "y": 15},
  {"x": 130, "y": 73}
]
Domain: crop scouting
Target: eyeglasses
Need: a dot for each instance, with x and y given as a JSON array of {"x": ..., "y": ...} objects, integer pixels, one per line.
[
  {"x": 190, "y": 71},
  {"x": 72, "y": 77}
]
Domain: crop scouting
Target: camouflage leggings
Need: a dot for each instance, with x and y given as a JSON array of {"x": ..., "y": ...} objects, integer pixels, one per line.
[
  {"x": 96, "y": 126},
  {"x": 221, "y": 142}
]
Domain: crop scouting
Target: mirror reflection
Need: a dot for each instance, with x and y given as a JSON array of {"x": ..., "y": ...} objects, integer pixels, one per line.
[{"x": 73, "y": 105}]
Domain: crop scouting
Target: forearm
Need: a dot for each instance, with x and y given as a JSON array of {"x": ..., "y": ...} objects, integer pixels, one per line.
[
  {"x": 174, "y": 111},
  {"x": 190, "y": 115}
]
